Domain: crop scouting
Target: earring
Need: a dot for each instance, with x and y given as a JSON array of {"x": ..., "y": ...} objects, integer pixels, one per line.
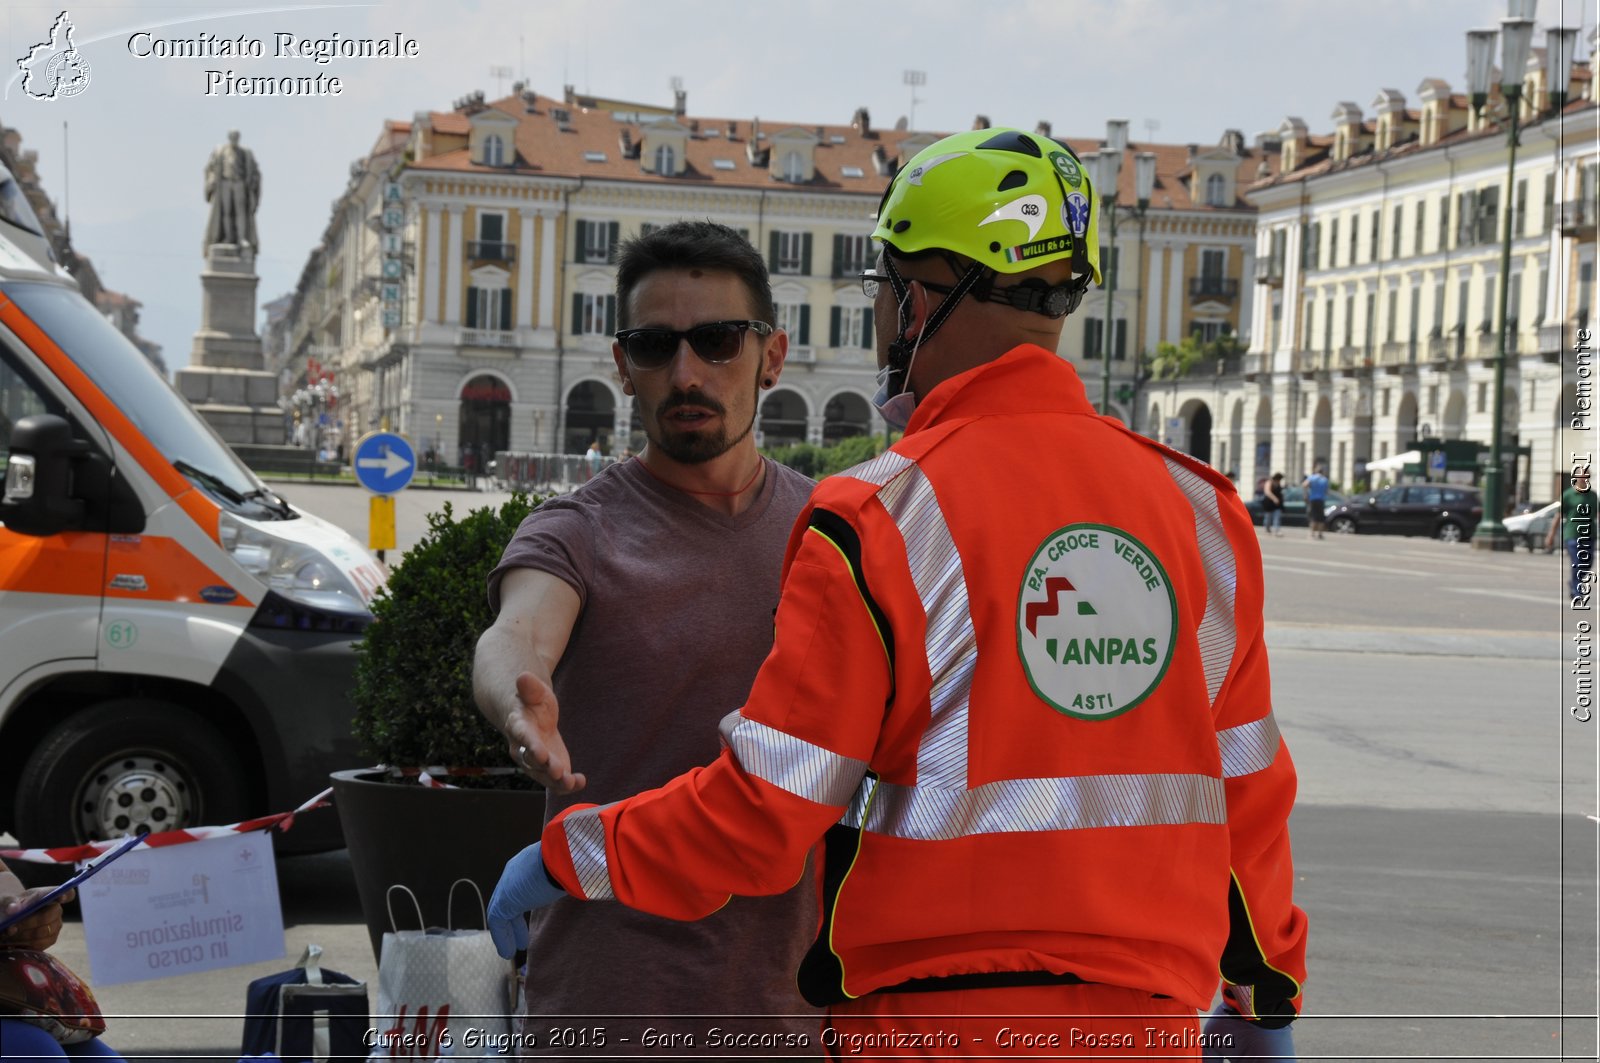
[{"x": 768, "y": 382}]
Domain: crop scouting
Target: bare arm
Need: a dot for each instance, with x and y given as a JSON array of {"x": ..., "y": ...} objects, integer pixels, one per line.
[
  {"x": 512, "y": 667},
  {"x": 37, "y": 931}
]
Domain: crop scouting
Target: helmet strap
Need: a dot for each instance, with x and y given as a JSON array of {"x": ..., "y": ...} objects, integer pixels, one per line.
[{"x": 900, "y": 348}]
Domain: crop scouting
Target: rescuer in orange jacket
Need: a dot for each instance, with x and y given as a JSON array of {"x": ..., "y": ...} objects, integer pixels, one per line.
[{"x": 1025, "y": 701}]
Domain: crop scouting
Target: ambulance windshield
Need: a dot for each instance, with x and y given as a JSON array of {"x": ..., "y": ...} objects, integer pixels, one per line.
[{"x": 128, "y": 379}]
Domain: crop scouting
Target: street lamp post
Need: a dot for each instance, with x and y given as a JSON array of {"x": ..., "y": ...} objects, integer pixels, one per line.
[
  {"x": 1107, "y": 175},
  {"x": 1516, "y": 35}
]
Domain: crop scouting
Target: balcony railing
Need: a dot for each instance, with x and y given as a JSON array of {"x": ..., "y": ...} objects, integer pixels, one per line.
[
  {"x": 1269, "y": 271},
  {"x": 1439, "y": 348},
  {"x": 1550, "y": 341},
  {"x": 488, "y": 337},
  {"x": 1213, "y": 287},
  {"x": 491, "y": 251},
  {"x": 1256, "y": 364},
  {"x": 1393, "y": 353},
  {"x": 1307, "y": 361},
  {"x": 1577, "y": 217}
]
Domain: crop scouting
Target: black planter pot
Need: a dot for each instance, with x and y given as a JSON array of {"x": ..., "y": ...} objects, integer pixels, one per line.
[{"x": 425, "y": 839}]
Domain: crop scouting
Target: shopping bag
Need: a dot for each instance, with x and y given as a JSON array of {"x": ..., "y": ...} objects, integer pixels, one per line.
[
  {"x": 307, "y": 1014},
  {"x": 441, "y": 991}
]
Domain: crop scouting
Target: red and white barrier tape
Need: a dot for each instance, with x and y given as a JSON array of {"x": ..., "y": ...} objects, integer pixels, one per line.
[{"x": 72, "y": 854}]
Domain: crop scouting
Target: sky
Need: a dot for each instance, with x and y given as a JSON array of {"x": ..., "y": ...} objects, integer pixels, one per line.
[{"x": 125, "y": 157}]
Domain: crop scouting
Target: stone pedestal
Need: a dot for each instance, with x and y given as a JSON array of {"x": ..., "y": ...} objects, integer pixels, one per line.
[
  {"x": 225, "y": 382},
  {"x": 241, "y": 404}
]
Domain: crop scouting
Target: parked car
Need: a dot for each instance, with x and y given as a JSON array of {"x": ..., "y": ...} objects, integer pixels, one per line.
[
  {"x": 1448, "y": 512},
  {"x": 1294, "y": 506},
  {"x": 1529, "y": 528}
]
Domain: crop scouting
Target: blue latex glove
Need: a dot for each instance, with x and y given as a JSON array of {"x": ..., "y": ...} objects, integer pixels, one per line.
[
  {"x": 523, "y": 887},
  {"x": 1229, "y": 1037}
]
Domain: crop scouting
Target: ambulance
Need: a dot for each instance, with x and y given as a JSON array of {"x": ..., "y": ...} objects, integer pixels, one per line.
[{"x": 175, "y": 638}]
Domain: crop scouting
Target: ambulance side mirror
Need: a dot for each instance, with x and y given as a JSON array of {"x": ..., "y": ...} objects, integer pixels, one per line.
[{"x": 38, "y": 498}]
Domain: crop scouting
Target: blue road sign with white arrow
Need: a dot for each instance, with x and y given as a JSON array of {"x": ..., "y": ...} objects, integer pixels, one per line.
[{"x": 384, "y": 462}]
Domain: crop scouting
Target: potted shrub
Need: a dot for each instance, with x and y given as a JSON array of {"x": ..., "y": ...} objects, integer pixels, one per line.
[{"x": 414, "y": 711}]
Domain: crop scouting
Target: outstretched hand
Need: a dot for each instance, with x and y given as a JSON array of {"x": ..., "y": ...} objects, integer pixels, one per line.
[{"x": 534, "y": 739}]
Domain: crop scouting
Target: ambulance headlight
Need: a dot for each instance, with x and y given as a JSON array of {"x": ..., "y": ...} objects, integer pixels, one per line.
[{"x": 296, "y": 571}]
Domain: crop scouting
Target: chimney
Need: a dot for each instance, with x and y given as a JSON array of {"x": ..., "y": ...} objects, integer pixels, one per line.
[
  {"x": 880, "y": 161},
  {"x": 530, "y": 100},
  {"x": 680, "y": 102},
  {"x": 1043, "y": 128},
  {"x": 980, "y": 121},
  {"x": 1233, "y": 141},
  {"x": 861, "y": 122}
]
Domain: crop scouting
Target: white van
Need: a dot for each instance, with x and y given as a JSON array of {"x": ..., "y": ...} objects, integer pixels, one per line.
[{"x": 175, "y": 639}]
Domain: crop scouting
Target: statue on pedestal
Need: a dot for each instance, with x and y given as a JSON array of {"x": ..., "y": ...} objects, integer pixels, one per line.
[{"x": 233, "y": 188}]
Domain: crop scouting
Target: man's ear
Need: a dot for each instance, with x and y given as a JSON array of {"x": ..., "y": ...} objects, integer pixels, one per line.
[
  {"x": 622, "y": 368},
  {"x": 773, "y": 352},
  {"x": 918, "y": 305}
]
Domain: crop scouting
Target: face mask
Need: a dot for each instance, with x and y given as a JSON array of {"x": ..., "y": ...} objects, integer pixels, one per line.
[{"x": 896, "y": 410}]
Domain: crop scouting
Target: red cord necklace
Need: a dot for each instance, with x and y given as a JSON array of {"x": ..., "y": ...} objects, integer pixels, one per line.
[{"x": 709, "y": 494}]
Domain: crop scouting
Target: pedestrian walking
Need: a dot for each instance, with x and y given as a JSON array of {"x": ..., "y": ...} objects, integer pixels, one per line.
[
  {"x": 1316, "y": 486},
  {"x": 1272, "y": 505},
  {"x": 1577, "y": 525}
]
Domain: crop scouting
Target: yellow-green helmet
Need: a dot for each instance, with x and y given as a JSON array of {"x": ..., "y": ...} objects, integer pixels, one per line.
[{"x": 1007, "y": 199}]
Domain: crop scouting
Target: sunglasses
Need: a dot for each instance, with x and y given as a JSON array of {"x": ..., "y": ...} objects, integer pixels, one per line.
[{"x": 716, "y": 342}]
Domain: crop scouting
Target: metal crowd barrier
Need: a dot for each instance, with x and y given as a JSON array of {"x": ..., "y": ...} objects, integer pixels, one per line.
[{"x": 544, "y": 473}]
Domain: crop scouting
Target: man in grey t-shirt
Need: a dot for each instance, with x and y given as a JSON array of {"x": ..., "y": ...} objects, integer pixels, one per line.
[{"x": 645, "y": 599}]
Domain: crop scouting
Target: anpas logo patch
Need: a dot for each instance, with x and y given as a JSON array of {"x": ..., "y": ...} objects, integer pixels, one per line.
[{"x": 1097, "y": 621}]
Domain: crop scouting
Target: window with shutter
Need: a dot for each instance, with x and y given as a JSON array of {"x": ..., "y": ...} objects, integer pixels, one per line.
[
  {"x": 795, "y": 319},
  {"x": 1396, "y": 229},
  {"x": 613, "y": 237},
  {"x": 1120, "y": 337},
  {"x": 505, "y": 309},
  {"x": 580, "y": 240},
  {"x": 1488, "y": 216},
  {"x": 1521, "y": 219},
  {"x": 1333, "y": 243},
  {"x": 791, "y": 252},
  {"x": 1444, "y": 223},
  {"x": 833, "y": 326},
  {"x": 1093, "y": 329},
  {"x": 774, "y": 241},
  {"x": 472, "y": 307},
  {"x": 577, "y": 314}
]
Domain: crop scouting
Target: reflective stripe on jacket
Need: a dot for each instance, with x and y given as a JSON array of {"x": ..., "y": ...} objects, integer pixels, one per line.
[{"x": 1019, "y": 681}]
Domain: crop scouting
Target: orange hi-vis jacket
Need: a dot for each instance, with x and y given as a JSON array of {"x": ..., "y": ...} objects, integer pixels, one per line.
[{"x": 1020, "y": 684}]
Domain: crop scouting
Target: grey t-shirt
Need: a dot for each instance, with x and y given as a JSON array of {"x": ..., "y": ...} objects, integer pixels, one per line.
[{"x": 677, "y": 604}]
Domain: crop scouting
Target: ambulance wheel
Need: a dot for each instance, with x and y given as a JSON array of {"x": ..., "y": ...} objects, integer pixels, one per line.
[{"x": 125, "y": 765}]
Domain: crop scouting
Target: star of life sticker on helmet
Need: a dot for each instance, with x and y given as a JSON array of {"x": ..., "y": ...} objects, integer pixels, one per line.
[
  {"x": 1029, "y": 210},
  {"x": 1075, "y": 213},
  {"x": 1097, "y": 621}
]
